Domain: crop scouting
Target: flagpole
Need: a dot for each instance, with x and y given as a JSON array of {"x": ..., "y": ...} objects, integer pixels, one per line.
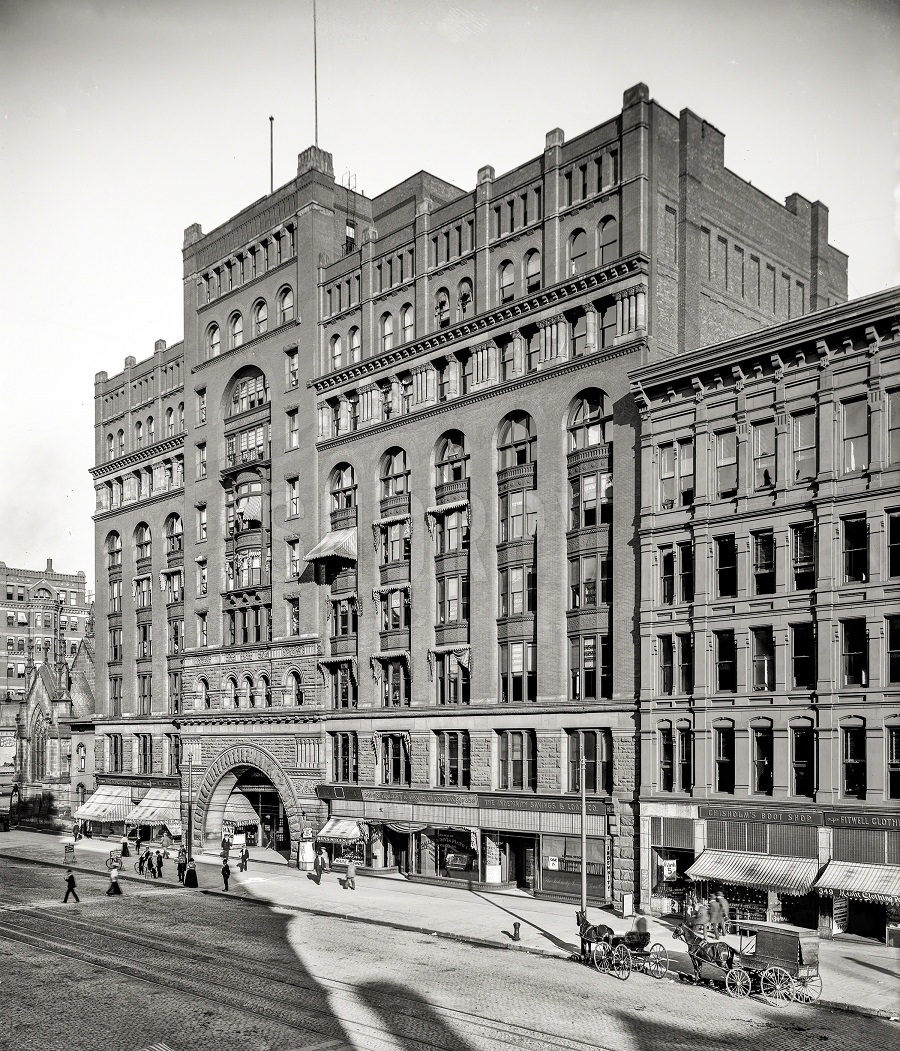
[
  {"x": 271, "y": 154},
  {"x": 315, "y": 73}
]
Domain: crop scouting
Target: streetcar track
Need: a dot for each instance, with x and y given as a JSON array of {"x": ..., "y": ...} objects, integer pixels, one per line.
[{"x": 494, "y": 1031}]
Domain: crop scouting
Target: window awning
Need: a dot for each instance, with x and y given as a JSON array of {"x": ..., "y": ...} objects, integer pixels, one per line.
[
  {"x": 879, "y": 883},
  {"x": 339, "y": 543},
  {"x": 789, "y": 875},
  {"x": 108, "y": 803},
  {"x": 452, "y": 505},
  {"x": 160, "y": 806},
  {"x": 239, "y": 811},
  {"x": 339, "y": 830}
]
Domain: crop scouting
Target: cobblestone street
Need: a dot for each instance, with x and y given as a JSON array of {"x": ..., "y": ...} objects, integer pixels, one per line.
[{"x": 189, "y": 970}]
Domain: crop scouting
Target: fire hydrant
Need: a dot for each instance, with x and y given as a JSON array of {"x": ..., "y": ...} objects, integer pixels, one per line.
[{"x": 516, "y": 927}]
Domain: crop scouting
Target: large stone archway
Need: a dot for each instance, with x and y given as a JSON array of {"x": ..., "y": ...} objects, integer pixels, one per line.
[{"x": 219, "y": 780}]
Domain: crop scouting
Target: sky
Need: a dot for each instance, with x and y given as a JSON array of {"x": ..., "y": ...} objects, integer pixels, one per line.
[{"x": 124, "y": 121}]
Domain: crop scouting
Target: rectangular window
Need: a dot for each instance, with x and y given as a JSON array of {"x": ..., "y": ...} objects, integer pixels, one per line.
[
  {"x": 115, "y": 753},
  {"x": 725, "y": 759},
  {"x": 686, "y": 572},
  {"x": 764, "y": 455},
  {"x": 666, "y": 760},
  {"x": 454, "y": 759},
  {"x": 115, "y": 644},
  {"x": 343, "y": 686},
  {"x": 345, "y": 758},
  {"x": 893, "y": 649},
  {"x": 893, "y": 543},
  {"x": 518, "y": 591},
  {"x": 893, "y": 449},
  {"x": 803, "y": 761},
  {"x": 452, "y": 599},
  {"x": 726, "y": 662},
  {"x": 803, "y": 656},
  {"x": 685, "y": 760},
  {"x": 803, "y": 429},
  {"x": 667, "y": 575},
  {"x": 144, "y": 640},
  {"x": 202, "y": 579},
  {"x": 893, "y": 758},
  {"x": 202, "y": 629},
  {"x": 518, "y": 673},
  {"x": 590, "y": 668},
  {"x": 201, "y": 522},
  {"x": 395, "y": 764},
  {"x": 764, "y": 562},
  {"x": 292, "y": 367},
  {"x": 856, "y": 435},
  {"x": 676, "y": 474},
  {"x": 395, "y": 683},
  {"x": 591, "y": 500},
  {"x": 293, "y": 429},
  {"x": 518, "y": 515},
  {"x": 856, "y": 549},
  {"x": 726, "y": 464},
  {"x": 803, "y": 548},
  {"x": 201, "y": 407},
  {"x": 763, "y": 659},
  {"x": 145, "y": 694},
  {"x": 596, "y": 748},
  {"x": 293, "y": 497},
  {"x": 518, "y": 761},
  {"x": 201, "y": 460},
  {"x": 726, "y": 567},
  {"x": 666, "y": 665},
  {"x": 763, "y": 755},
  {"x": 394, "y": 611},
  {"x": 451, "y": 673},
  {"x": 115, "y": 696},
  {"x": 854, "y": 753},
  {"x": 685, "y": 663},
  {"x": 292, "y": 609}
]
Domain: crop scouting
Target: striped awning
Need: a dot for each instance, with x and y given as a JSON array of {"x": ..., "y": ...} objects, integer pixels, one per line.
[
  {"x": 452, "y": 505},
  {"x": 774, "y": 871},
  {"x": 852, "y": 879},
  {"x": 159, "y": 807},
  {"x": 239, "y": 811},
  {"x": 339, "y": 830},
  {"x": 108, "y": 803},
  {"x": 339, "y": 543}
]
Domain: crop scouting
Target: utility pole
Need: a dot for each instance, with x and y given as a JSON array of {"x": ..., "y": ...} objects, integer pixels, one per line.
[
  {"x": 190, "y": 820},
  {"x": 581, "y": 771}
]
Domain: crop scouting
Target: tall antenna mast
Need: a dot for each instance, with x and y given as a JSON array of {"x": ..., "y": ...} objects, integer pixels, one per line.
[
  {"x": 271, "y": 154},
  {"x": 315, "y": 75}
]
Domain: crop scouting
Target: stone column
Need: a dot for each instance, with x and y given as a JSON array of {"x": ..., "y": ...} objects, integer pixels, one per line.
[
  {"x": 518, "y": 353},
  {"x": 590, "y": 316}
]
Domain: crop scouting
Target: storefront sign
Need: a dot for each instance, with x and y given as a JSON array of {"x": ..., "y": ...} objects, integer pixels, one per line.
[
  {"x": 669, "y": 868},
  {"x": 779, "y": 817},
  {"x": 544, "y": 805},
  {"x": 138, "y": 782},
  {"x": 552, "y": 864},
  {"x": 843, "y": 819}
]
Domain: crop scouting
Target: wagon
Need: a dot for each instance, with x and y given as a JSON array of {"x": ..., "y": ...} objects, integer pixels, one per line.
[
  {"x": 620, "y": 954},
  {"x": 778, "y": 961}
]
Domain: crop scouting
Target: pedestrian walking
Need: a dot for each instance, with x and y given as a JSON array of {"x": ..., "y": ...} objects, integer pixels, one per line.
[
  {"x": 723, "y": 905},
  {"x": 159, "y": 863},
  {"x": 190, "y": 875},
  {"x": 114, "y": 887},
  {"x": 715, "y": 916},
  {"x": 350, "y": 880},
  {"x": 70, "y": 886},
  {"x": 126, "y": 853},
  {"x": 243, "y": 858},
  {"x": 226, "y": 873},
  {"x": 320, "y": 864},
  {"x": 701, "y": 919}
]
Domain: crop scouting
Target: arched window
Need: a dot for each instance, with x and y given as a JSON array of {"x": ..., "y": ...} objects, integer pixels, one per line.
[
  {"x": 343, "y": 487},
  {"x": 248, "y": 392},
  {"x": 578, "y": 252},
  {"x": 293, "y": 695},
  {"x": 174, "y": 534},
  {"x": 407, "y": 323},
  {"x": 264, "y": 691},
  {"x": 515, "y": 440},
  {"x": 442, "y": 308},
  {"x": 230, "y": 697},
  {"x": 386, "y": 329},
  {"x": 248, "y": 699},
  {"x": 587, "y": 420},
  {"x": 110, "y": 446},
  {"x": 120, "y": 438},
  {"x": 181, "y": 417},
  {"x": 143, "y": 541},
  {"x": 213, "y": 341},
  {"x": 151, "y": 432},
  {"x": 139, "y": 434},
  {"x": 113, "y": 551},
  {"x": 464, "y": 299},
  {"x": 260, "y": 318},
  {"x": 506, "y": 281},
  {"x": 533, "y": 271},
  {"x": 394, "y": 475},
  {"x": 355, "y": 345},
  {"x": 202, "y": 694},
  {"x": 450, "y": 458},
  {"x": 170, "y": 422},
  {"x": 235, "y": 331},
  {"x": 285, "y": 306},
  {"x": 336, "y": 353},
  {"x": 608, "y": 241}
]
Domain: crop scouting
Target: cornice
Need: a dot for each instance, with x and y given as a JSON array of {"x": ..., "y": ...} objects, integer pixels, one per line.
[
  {"x": 237, "y": 351},
  {"x": 139, "y": 456},
  {"x": 143, "y": 502},
  {"x": 556, "y": 295},
  {"x": 569, "y": 365},
  {"x": 247, "y": 716}
]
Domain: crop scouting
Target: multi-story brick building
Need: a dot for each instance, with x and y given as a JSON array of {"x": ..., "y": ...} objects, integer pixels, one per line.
[
  {"x": 770, "y": 621},
  {"x": 408, "y": 447}
]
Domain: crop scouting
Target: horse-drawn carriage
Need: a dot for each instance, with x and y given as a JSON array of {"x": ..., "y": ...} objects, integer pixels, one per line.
[
  {"x": 775, "y": 960},
  {"x": 620, "y": 954}
]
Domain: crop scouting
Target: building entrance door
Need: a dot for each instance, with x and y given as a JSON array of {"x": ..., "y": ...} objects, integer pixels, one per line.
[
  {"x": 397, "y": 844},
  {"x": 517, "y": 857}
]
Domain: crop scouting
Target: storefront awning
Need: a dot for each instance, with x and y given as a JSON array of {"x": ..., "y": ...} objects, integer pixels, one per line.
[
  {"x": 108, "y": 803},
  {"x": 339, "y": 830},
  {"x": 773, "y": 871},
  {"x": 339, "y": 543},
  {"x": 879, "y": 883},
  {"x": 160, "y": 806},
  {"x": 239, "y": 811}
]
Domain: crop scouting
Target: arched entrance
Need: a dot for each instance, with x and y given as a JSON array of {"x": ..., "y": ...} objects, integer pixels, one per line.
[{"x": 245, "y": 793}]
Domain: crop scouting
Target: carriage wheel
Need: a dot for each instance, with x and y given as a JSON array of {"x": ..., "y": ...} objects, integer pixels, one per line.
[
  {"x": 776, "y": 986},
  {"x": 807, "y": 989},
  {"x": 737, "y": 983},
  {"x": 603, "y": 956},
  {"x": 622, "y": 962},
  {"x": 657, "y": 963}
]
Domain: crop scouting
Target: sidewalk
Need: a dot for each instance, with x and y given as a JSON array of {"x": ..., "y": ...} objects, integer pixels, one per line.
[{"x": 856, "y": 975}]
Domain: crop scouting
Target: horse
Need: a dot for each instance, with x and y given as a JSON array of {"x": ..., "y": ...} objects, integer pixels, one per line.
[
  {"x": 590, "y": 933},
  {"x": 701, "y": 950}
]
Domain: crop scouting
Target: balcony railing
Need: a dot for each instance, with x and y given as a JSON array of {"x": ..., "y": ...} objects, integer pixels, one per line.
[{"x": 236, "y": 457}]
